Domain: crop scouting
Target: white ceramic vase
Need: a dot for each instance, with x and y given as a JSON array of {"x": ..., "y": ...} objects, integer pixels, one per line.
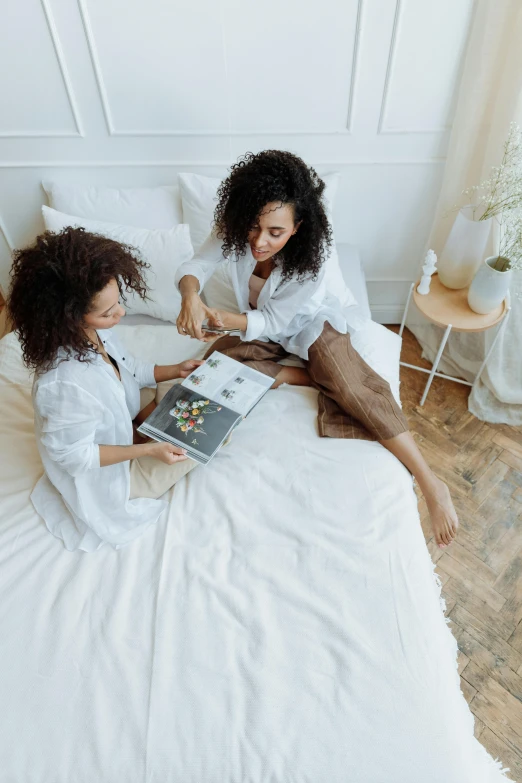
[
  {"x": 489, "y": 287},
  {"x": 464, "y": 249}
]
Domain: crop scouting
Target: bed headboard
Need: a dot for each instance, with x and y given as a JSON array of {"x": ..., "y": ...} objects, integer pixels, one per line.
[{"x": 131, "y": 95}]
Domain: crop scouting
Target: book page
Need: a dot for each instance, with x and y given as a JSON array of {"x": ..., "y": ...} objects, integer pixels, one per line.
[
  {"x": 231, "y": 383},
  {"x": 200, "y": 425}
]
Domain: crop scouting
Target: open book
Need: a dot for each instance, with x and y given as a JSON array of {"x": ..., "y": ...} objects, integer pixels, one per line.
[{"x": 199, "y": 413}]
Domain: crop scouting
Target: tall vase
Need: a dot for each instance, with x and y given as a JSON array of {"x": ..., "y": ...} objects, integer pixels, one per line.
[
  {"x": 489, "y": 287},
  {"x": 464, "y": 249}
]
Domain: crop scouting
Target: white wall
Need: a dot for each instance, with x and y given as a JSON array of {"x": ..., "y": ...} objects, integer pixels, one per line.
[{"x": 131, "y": 92}]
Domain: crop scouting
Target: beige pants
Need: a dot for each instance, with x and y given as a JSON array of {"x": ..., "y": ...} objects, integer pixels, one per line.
[{"x": 149, "y": 477}]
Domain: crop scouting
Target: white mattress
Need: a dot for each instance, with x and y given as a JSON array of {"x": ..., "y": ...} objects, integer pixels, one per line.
[{"x": 280, "y": 624}]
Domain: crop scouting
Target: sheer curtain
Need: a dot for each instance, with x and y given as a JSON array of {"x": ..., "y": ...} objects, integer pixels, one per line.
[{"x": 489, "y": 98}]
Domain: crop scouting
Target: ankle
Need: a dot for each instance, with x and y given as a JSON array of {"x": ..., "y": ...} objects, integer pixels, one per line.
[{"x": 431, "y": 487}]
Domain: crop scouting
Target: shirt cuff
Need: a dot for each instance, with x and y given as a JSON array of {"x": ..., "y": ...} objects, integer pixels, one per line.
[
  {"x": 256, "y": 325},
  {"x": 190, "y": 269},
  {"x": 80, "y": 461},
  {"x": 147, "y": 376},
  {"x": 95, "y": 458}
]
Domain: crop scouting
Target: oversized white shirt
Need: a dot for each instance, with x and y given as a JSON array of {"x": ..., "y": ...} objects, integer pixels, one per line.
[
  {"x": 78, "y": 407},
  {"x": 289, "y": 312}
]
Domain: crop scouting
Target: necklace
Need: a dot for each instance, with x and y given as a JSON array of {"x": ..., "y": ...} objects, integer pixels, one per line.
[{"x": 104, "y": 355}]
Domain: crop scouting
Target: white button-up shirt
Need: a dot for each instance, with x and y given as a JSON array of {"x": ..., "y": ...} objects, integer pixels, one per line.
[
  {"x": 289, "y": 312},
  {"x": 79, "y": 406}
]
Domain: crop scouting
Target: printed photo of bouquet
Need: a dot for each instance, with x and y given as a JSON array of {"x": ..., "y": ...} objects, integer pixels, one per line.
[{"x": 190, "y": 416}]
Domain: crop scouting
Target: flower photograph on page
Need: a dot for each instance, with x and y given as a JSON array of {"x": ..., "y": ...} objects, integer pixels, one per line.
[
  {"x": 187, "y": 416},
  {"x": 190, "y": 415},
  {"x": 197, "y": 380},
  {"x": 213, "y": 363}
]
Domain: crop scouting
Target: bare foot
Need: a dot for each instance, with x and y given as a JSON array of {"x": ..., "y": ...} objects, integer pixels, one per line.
[
  {"x": 294, "y": 376},
  {"x": 443, "y": 517}
]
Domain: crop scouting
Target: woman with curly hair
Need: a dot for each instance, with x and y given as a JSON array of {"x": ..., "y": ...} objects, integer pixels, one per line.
[
  {"x": 270, "y": 220},
  {"x": 98, "y": 486}
]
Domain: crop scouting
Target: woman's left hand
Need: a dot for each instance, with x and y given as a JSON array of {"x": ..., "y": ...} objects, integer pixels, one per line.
[{"x": 185, "y": 368}]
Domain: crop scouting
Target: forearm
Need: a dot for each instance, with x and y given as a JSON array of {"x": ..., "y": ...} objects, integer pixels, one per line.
[
  {"x": 234, "y": 320},
  {"x": 188, "y": 285},
  {"x": 166, "y": 372},
  {"x": 112, "y": 455}
]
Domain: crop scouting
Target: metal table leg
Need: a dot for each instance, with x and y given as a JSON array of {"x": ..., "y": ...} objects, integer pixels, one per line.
[
  {"x": 435, "y": 364},
  {"x": 406, "y": 309},
  {"x": 500, "y": 331}
]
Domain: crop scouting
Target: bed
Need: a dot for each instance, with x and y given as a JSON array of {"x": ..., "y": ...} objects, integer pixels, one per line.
[{"x": 282, "y": 622}]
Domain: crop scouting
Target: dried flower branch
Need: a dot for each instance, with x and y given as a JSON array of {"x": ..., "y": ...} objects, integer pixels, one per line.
[{"x": 500, "y": 197}]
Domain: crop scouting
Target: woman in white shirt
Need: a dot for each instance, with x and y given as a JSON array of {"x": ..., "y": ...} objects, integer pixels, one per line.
[
  {"x": 271, "y": 222},
  {"x": 98, "y": 486}
]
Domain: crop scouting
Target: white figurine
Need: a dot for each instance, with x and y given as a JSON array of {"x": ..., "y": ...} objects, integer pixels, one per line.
[{"x": 428, "y": 269}]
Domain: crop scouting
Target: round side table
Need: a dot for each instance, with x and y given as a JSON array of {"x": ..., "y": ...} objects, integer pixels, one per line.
[{"x": 449, "y": 308}]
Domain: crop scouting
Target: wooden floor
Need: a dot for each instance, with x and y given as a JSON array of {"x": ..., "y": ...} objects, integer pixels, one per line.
[{"x": 481, "y": 571}]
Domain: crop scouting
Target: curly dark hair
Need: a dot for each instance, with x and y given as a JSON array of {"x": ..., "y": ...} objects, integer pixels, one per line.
[
  {"x": 53, "y": 283},
  {"x": 275, "y": 175}
]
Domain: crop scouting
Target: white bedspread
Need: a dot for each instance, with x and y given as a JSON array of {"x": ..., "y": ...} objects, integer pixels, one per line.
[{"x": 281, "y": 625}]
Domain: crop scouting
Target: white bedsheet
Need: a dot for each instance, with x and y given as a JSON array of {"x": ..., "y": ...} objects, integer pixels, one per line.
[{"x": 281, "y": 624}]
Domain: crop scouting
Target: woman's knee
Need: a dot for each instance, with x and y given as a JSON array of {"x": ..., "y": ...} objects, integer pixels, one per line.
[{"x": 225, "y": 344}]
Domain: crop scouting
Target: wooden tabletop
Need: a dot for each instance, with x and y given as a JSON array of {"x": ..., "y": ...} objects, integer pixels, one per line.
[{"x": 445, "y": 306}]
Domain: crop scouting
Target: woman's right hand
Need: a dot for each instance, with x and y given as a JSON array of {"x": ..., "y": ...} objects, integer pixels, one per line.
[
  {"x": 166, "y": 452},
  {"x": 192, "y": 314}
]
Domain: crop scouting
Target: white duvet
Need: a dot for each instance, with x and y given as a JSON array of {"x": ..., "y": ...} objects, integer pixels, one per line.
[{"x": 280, "y": 625}]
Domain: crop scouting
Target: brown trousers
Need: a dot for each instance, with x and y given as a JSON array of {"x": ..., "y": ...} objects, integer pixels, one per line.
[{"x": 354, "y": 401}]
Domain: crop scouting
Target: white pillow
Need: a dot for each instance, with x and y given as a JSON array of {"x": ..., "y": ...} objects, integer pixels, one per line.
[
  {"x": 199, "y": 199},
  {"x": 141, "y": 207},
  {"x": 164, "y": 250},
  {"x": 219, "y": 290}
]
